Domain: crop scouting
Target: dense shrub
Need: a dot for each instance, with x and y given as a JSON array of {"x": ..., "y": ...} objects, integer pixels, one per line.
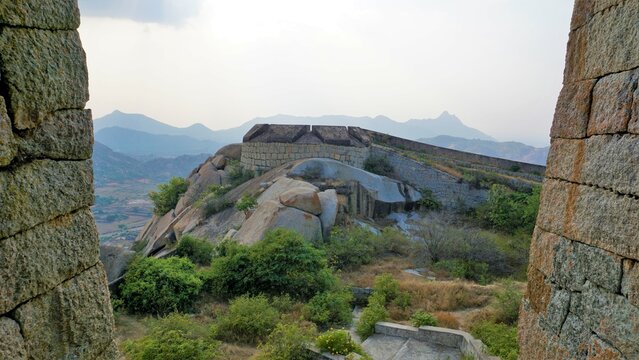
[
  {"x": 386, "y": 287},
  {"x": 330, "y": 308},
  {"x": 215, "y": 204},
  {"x": 167, "y": 195},
  {"x": 467, "y": 253},
  {"x": 507, "y": 210},
  {"x": 423, "y": 318},
  {"x": 372, "y": 314},
  {"x": 338, "y": 342},
  {"x": 379, "y": 165},
  {"x": 160, "y": 286},
  {"x": 500, "y": 339},
  {"x": 237, "y": 173},
  {"x": 198, "y": 250},
  {"x": 282, "y": 263},
  {"x": 287, "y": 342},
  {"x": 429, "y": 201},
  {"x": 352, "y": 247},
  {"x": 507, "y": 304},
  {"x": 174, "y": 337},
  {"x": 247, "y": 202},
  {"x": 249, "y": 320}
]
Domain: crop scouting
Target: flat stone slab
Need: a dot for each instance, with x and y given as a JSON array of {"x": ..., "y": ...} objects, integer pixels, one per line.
[{"x": 385, "y": 347}]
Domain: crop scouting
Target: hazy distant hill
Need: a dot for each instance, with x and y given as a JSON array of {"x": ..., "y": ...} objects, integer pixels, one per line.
[
  {"x": 445, "y": 124},
  {"x": 110, "y": 166},
  {"x": 507, "y": 150},
  {"x": 144, "y": 144},
  {"x": 146, "y": 124}
]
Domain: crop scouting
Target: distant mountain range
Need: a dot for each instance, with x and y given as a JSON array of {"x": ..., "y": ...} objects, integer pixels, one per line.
[
  {"x": 510, "y": 150},
  {"x": 110, "y": 166},
  {"x": 141, "y": 137}
]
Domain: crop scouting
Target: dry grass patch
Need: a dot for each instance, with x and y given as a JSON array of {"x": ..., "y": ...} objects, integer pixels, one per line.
[
  {"x": 447, "y": 320},
  {"x": 237, "y": 352},
  {"x": 128, "y": 327}
]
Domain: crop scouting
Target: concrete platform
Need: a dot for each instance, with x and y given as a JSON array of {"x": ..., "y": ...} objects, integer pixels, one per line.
[{"x": 385, "y": 347}]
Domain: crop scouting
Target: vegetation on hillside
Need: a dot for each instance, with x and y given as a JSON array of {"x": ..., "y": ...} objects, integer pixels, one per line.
[
  {"x": 167, "y": 195},
  {"x": 379, "y": 165}
]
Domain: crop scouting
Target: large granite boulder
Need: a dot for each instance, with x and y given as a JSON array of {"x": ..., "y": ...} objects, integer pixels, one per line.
[
  {"x": 372, "y": 196},
  {"x": 304, "y": 199},
  {"x": 271, "y": 215},
  {"x": 115, "y": 259},
  {"x": 232, "y": 151},
  {"x": 330, "y": 206}
]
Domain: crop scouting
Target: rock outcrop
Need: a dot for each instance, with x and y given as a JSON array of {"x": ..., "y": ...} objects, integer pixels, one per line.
[
  {"x": 54, "y": 299},
  {"x": 582, "y": 300}
]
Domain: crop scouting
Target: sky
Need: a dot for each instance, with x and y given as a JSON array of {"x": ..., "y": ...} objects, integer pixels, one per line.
[{"x": 496, "y": 64}]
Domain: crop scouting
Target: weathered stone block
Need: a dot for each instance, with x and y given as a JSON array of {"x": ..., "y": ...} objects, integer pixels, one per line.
[
  {"x": 41, "y": 191},
  {"x": 7, "y": 143},
  {"x": 43, "y": 71},
  {"x": 600, "y": 350},
  {"x": 591, "y": 215},
  {"x": 581, "y": 13},
  {"x": 575, "y": 337},
  {"x": 557, "y": 310},
  {"x": 576, "y": 56},
  {"x": 45, "y": 256},
  {"x": 612, "y": 154},
  {"x": 65, "y": 135},
  {"x": 12, "y": 344},
  {"x": 572, "y": 111},
  {"x": 565, "y": 159},
  {"x": 612, "y": 40},
  {"x": 73, "y": 321},
  {"x": 630, "y": 281},
  {"x": 611, "y": 317},
  {"x": 538, "y": 291},
  {"x": 574, "y": 263},
  {"x": 542, "y": 250},
  {"x": 612, "y": 99},
  {"x": 43, "y": 14}
]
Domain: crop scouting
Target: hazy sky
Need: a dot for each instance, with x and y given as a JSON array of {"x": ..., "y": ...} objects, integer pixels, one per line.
[{"x": 496, "y": 64}]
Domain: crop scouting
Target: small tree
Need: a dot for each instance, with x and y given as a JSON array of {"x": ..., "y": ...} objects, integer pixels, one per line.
[
  {"x": 379, "y": 165},
  {"x": 167, "y": 195},
  {"x": 198, "y": 250}
]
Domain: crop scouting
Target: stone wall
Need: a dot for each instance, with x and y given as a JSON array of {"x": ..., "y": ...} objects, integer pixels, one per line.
[
  {"x": 583, "y": 281},
  {"x": 264, "y": 156},
  {"x": 450, "y": 154},
  {"x": 54, "y": 301},
  {"x": 449, "y": 190}
]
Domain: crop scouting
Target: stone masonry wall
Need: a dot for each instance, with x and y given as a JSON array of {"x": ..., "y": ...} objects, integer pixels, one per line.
[
  {"x": 54, "y": 300},
  {"x": 263, "y": 156},
  {"x": 583, "y": 281},
  {"x": 446, "y": 188}
]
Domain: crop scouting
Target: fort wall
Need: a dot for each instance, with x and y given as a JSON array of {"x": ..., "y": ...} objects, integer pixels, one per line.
[{"x": 54, "y": 300}]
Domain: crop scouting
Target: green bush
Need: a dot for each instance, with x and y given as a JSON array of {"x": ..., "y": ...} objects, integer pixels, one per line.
[
  {"x": 237, "y": 173},
  {"x": 507, "y": 304},
  {"x": 247, "y": 202},
  {"x": 465, "y": 269},
  {"x": 249, "y": 320},
  {"x": 167, "y": 195},
  {"x": 282, "y": 263},
  {"x": 386, "y": 287},
  {"x": 352, "y": 247},
  {"x": 287, "y": 342},
  {"x": 372, "y": 314},
  {"x": 214, "y": 204},
  {"x": 330, "y": 308},
  {"x": 508, "y": 210},
  {"x": 500, "y": 339},
  {"x": 283, "y": 304},
  {"x": 198, "y": 250},
  {"x": 338, "y": 342},
  {"x": 423, "y": 318},
  {"x": 160, "y": 286},
  {"x": 429, "y": 201},
  {"x": 403, "y": 300},
  {"x": 379, "y": 165},
  {"x": 174, "y": 337}
]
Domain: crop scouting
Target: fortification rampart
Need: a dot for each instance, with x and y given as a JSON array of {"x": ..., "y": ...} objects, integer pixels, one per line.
[
  {"x": 54, "y": 300},
  {"x": 269, "y": 146},
  {"x": 583, "y": 280}
]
